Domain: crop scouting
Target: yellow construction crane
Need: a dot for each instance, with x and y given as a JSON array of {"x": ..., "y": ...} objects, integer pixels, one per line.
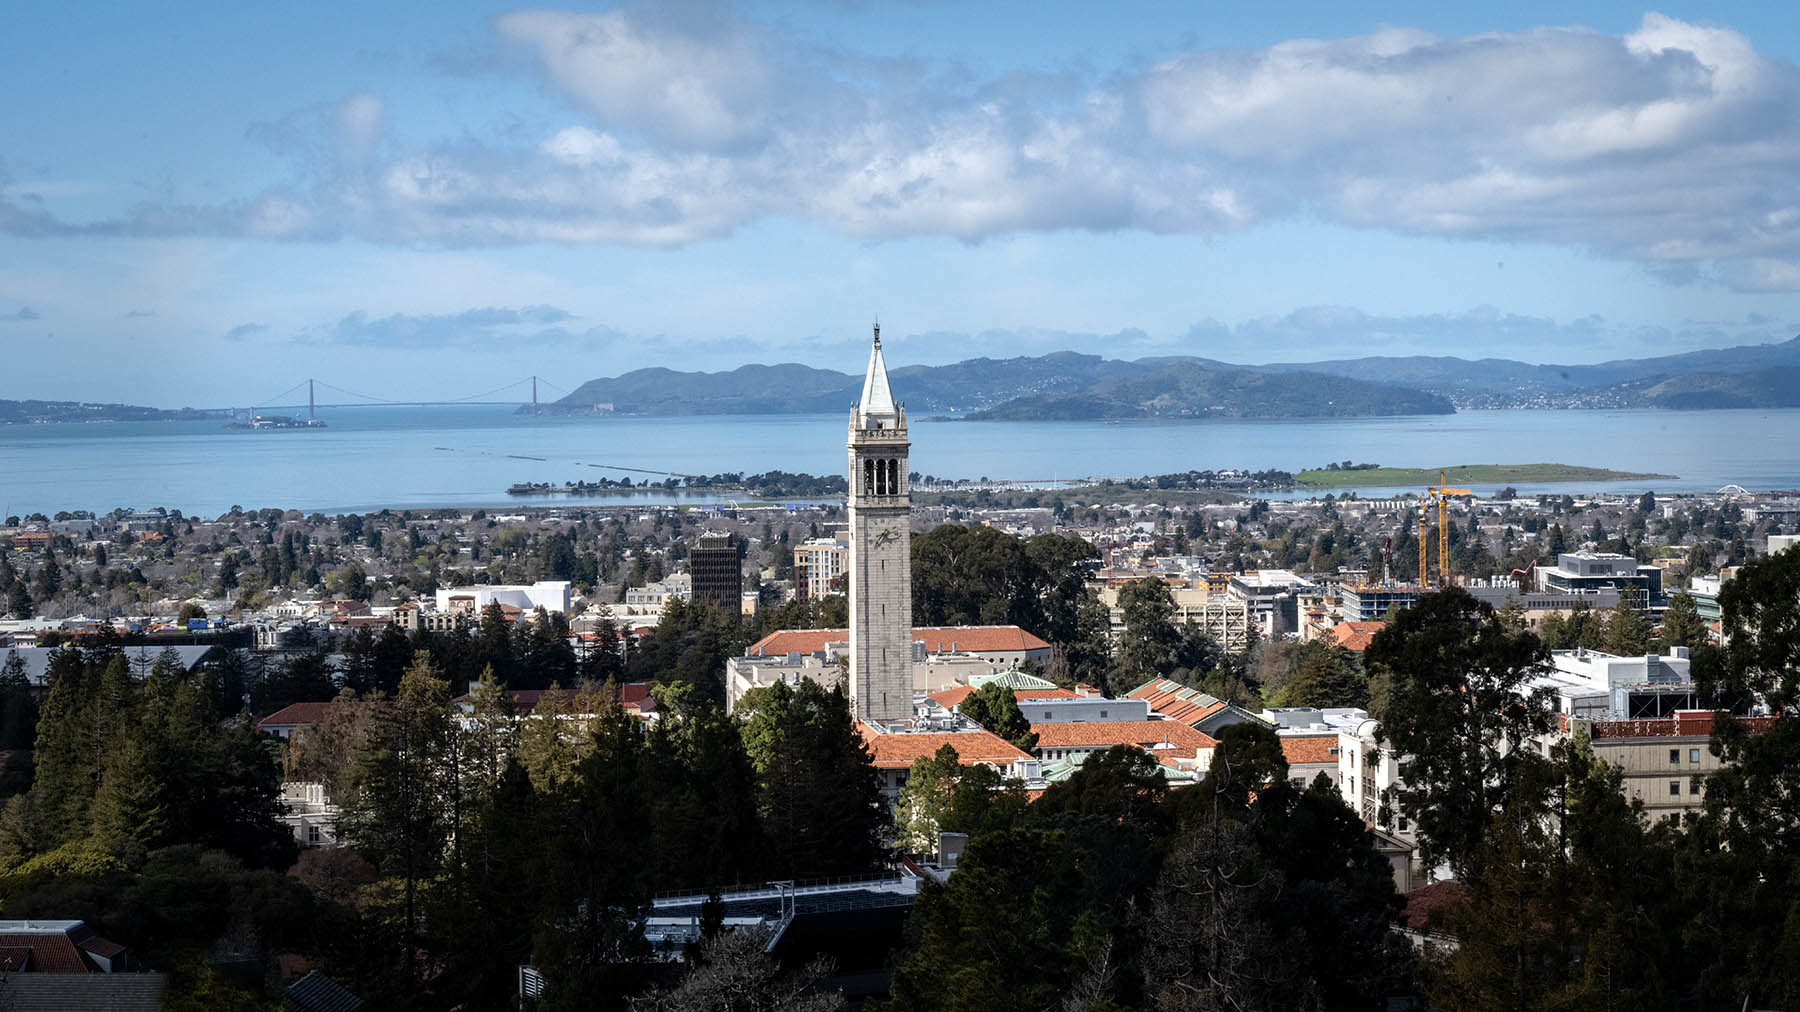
[{"x": 1440, "y": 494}]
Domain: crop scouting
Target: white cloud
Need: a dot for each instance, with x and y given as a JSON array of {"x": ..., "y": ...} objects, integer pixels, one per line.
[{"x": 1673, "y": 145}]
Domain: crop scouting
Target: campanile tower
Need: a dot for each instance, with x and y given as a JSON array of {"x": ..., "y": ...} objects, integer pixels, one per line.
[{"x": 880, "y": 551}]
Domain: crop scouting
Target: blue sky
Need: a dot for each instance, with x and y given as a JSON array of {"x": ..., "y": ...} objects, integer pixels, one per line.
[{"x": 204, "y": 204}]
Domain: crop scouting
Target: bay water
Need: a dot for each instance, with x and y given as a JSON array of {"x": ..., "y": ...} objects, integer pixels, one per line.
[{"x": 420, "y": 457}]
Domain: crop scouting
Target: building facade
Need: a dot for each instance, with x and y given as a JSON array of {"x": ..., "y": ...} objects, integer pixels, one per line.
[
  {"x": 880, "y": 551},
  {"x": 819, "y": 566},
  {"x": 718, "y": 574}
]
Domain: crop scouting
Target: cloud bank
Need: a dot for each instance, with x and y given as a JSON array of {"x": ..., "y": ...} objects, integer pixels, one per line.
[{"x": 1674, "y": 145}]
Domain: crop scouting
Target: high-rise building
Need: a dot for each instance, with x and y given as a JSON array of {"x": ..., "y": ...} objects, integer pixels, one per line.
[
  {"x": 718, "y": 573},
  {"x": 880, "y": 551},
  {"x": 819, "y": 566}
]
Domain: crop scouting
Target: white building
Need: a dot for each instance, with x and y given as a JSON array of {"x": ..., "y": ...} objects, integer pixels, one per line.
[
  {"x": 1594, "y": 685},
  {"x": 550, "y": 595},
  {"x": 307, "y": 811}
]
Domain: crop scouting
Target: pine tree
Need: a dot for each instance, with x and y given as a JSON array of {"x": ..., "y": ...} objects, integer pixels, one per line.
[
  {"x": 818, "y": 797},
  {"x": 396, "y": 812},
  {"x": 1626, "y": 632},
  {"x": 1682, "y": 625},
  {"x": 926, "y": 799}
]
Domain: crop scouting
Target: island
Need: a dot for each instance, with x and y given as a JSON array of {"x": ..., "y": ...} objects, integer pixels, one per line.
[{"x": 1461, "y": 474}]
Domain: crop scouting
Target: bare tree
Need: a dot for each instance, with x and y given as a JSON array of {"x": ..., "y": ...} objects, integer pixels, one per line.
[{"x": 733, "y": 973}]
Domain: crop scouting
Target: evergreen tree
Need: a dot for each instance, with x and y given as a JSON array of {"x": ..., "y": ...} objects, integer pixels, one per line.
[
  {"x": 400, "y": 778},
  {"x": 926, "y": 800},
  {"x": 995, "y": 707},
  {"x": 68, "y": 754},
  {"x": 1682, "y": 625},
  {"x": 818, "y": 797},
  {"x": 594, "y": 838},
  {"x": 1459, "y": 710},
  {"x": 1626, "y": 632},
  {"x": 1149, "y": 644},
  {"x": 1321, "y": 674}
]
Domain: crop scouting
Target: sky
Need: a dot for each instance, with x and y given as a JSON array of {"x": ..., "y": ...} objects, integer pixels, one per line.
[{"x": 205, "y": 203}]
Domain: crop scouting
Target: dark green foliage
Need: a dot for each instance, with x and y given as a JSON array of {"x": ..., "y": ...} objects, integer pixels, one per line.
[
  {"x": 1008, "y": 931},
  {"x": 1458, "y": 709},
  {"x": 1682, "y": 625},
  {"x": 1321, "y": 674},
  {"x": 817, "y": 795},
  {"x": 1150, "y": 644},
  {"x": 982, "y": 576},
  {"x": 994, "y": 707},
  {"x": 1627, "y": 634}
]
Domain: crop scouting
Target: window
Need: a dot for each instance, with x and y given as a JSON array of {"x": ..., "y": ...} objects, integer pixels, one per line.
[
  {"x": 312, "y": 834},
  {"x": 1102, "y": 714},
  {"x": 1674, "y": 755},
  {"x": 1046, "y": 714},
  {"x": 1693, "y": 785},
  {"x": 1674, "y": 788},
  {"x": 1693, "y": 755}
]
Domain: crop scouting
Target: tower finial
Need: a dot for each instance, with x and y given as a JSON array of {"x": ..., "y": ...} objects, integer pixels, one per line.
[{"x": 878, "y": 331}]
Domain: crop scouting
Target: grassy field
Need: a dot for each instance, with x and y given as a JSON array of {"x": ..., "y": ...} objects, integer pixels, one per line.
[{"x": 1462, "y": 474}]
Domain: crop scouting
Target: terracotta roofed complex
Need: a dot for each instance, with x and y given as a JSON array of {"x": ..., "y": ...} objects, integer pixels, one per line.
[
  {"x": 1105, "y": 734},
  {"x": 952, "y": 698},
  {"x": 968, "y": 639},
  {"x": 1176, "y": 701},
  {"x": 1353, "y": 636},
  {"x": 898, "y": 751}
]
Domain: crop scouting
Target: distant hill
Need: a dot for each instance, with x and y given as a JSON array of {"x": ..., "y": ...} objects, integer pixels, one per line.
[
  {"x": 1500, "y": 382},
  {"x": 797, "y": 389},
  {"x": 1072, "y": 385},
  {"x": 34, "y": 412},
  {"x": 1188, "y": 389},
  {"x": 1773, "y": 387}
]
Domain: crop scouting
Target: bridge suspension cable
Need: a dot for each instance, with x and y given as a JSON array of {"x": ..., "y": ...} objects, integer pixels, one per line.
[{"x": 277, "y": 399}]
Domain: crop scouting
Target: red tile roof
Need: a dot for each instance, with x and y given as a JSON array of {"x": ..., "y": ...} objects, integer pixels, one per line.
[
  {"x": 1176, "y": 701},
  {"x": 1107, "y": 733},
  {"x": 1423, "y": 903},
  {"x": 296, "y": 714},
  {"x": 1310, "y": 750},
  {"x": 1353, "y": 636},
  {"x": 51, "y": 951},
  {"x": 951, "y": 698},
  {"x": 968, "y": 639},
  {"x": 897, "y": 750}
]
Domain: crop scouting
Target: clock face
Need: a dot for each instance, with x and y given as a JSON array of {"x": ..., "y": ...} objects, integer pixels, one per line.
[{"x": 883, "y": 538}]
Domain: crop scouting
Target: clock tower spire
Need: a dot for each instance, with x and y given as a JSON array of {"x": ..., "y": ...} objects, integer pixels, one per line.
[{"x": 880, "y": 503}]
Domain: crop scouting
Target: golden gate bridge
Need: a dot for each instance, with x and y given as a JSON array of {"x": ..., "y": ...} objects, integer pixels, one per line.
[{"x": 312, "y": 404}]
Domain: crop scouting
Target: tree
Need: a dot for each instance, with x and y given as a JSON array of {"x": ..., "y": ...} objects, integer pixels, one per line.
[
  {"x": 396, "y": 812},
  {"x": 1149, "y": 644},
  {"x": 995, "y": 707},
  {"x": 974, "y": 954},
  {"x": 1321, "y": 674},
  {"x": 1627, "y": 634},
  {"x": 1459, "y": 711},
  {"x": 1682, "y": 625},
  {"x": 817, "y": 795},
  {"x": 926, "y": 800},
  {"x": 733, "y": 972},
  {"x": 189, "y": 611}
]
